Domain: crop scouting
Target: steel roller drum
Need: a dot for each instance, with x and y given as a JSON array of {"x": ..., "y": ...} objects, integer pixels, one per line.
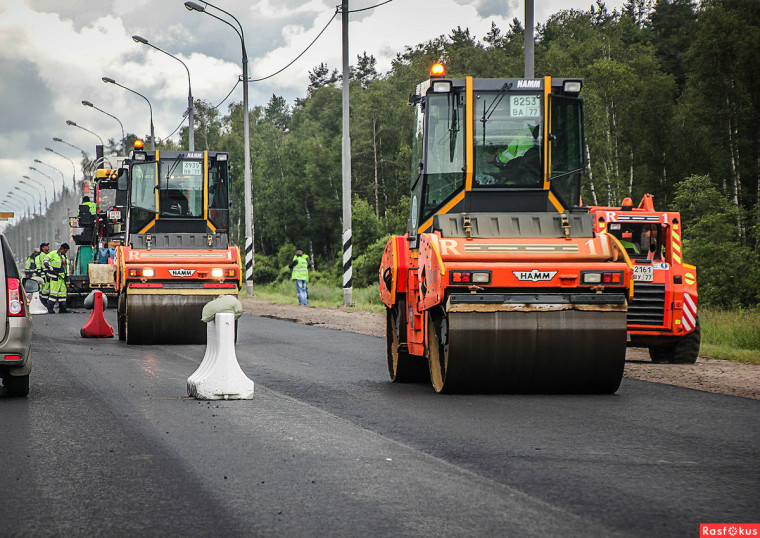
[
  {"x": 166, "y": 319},
  {"x": 565, "y": 350}
]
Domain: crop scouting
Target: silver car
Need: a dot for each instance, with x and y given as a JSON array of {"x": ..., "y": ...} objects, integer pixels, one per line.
[{"x": 15, "y": 326}]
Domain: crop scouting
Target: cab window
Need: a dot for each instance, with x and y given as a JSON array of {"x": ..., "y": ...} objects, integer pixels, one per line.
[
  {"x": 508, "y": 133},
  {"x": 444, "y": 162}
]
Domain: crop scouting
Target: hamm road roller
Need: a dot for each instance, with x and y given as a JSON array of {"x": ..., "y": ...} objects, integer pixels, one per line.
[
  {"x": 501, "y": 283},
  {"x": 176, "y": 256}
]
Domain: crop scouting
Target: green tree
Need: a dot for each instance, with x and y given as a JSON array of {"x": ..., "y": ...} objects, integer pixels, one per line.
[{"x": 728, "y": 273}]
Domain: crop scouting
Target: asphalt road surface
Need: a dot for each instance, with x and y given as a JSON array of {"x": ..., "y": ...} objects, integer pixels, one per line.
[{"x": 109, "y": 444}]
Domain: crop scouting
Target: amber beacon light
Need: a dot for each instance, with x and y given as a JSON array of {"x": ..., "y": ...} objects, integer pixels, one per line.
[{"x": 437, "y": 71}]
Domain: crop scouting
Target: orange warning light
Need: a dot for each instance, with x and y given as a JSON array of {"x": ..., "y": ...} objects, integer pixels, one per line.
[
  {"x": 138, "y": 144},
  {"x": 437, "y": 70}
]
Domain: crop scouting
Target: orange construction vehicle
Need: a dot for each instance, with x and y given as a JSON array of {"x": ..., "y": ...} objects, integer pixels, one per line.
[
  {"x": 663, "y": 313},
  {"x": 501, "y": 283},
  {"x": 176, "y": 256}
]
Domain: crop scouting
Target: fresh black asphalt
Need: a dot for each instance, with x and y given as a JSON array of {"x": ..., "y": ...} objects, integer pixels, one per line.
[{"x": 109, "y": 444}]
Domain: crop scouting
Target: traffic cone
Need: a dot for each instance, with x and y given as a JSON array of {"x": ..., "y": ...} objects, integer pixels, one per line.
[
  {"x": 219, "y": 376},
  {"x": 97, "y": 326}
]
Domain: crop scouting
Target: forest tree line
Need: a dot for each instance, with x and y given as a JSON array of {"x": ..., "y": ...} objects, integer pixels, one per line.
[{"x": 672, "y": 105}]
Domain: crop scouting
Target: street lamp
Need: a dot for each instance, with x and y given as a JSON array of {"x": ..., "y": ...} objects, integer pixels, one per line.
[
  {"x": 123, "y": 138},
  {"x": 109, "y": 80},
  {"x": 15, "y": 202},
  {"x": 30, "y": 195},
  {"x": 22, "y": 182},
  {"x": 73, "y": 166},
  {"x": 51, "y": 180},
  {"x": 191, "y": 133},
  {"x": 44, "y": 189},
  {"x": 56, "y": 139},
  {"x": 44, "y": 174},
  {"x": 18, "y": 199},
  {"x": 192, "y": 6},
  {"x": 73, "y": 124},
  {"x": 63, "y": 180}
]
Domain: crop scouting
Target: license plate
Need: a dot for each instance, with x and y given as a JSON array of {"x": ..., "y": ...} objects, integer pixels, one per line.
[
  {"x": 114, "y": 215},
  {"x": 643, "y": 273}
]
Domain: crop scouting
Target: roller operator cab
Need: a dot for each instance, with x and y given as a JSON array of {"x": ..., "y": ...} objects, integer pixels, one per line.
[
  {"x": 501, "y": 283},
  {"x": 176, "y": 256},
  {"x": 663, "y": 313}
]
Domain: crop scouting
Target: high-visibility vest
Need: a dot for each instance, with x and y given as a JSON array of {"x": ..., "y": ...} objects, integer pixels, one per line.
[
  {"x": 301, "y": 270},
  {"x": 630, "y": 246},
  {"x": 517, "y": 147},
  {"x": 58, "y": 266},
  {"x": 30, "y": 263},
  {"x": 39, "y": 262},
  {"x": 92, "y": 205}
]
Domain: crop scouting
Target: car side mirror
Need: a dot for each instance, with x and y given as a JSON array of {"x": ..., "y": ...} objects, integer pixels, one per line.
[{"x": 31, "y": 285}]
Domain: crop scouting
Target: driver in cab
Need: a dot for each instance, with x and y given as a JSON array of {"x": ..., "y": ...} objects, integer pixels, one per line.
[{"x": 519, "y": 163}]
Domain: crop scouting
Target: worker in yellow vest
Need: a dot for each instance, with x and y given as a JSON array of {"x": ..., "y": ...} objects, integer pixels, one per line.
[
  {"x": 300, "y": 267},
  {"x": 58, "y": 273},
  {"x": 40, "y": 272}
]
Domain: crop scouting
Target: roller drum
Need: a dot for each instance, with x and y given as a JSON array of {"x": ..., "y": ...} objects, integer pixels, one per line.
[
  {"x": 165, "y": 319},
  {"x": 568, "y": 351}
]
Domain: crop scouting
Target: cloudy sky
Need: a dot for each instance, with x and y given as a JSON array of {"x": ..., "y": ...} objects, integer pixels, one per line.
[{"x": 53, "y": 54}]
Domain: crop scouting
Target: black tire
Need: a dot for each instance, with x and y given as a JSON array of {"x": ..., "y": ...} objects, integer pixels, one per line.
[
  {"x": 685, "y": 351},
  {"x": 659, "y": 354},
  {"x": 17, "y": 386},
  {"x": 438, "y": 355},
  {"x": 402, "y": 367},
  {"x": 121, "y": 316}
]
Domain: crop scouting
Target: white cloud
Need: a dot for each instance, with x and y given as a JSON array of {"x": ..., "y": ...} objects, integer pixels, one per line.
[{"x": 53, "y": 55}]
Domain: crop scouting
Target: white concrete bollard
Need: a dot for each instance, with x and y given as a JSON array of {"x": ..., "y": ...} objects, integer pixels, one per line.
[
  {"x": 207, "y": 362},
  {"x": 36, "y": 306},
  {"x": 219, "y": 376}
]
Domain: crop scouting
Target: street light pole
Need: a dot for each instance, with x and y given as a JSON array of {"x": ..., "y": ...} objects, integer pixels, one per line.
[
  {"x": 17, "y": 202},
  {"x": 190, "y": 134},
  {"x": 123, "y": 140},
  {"x": 44, "y": 189},
  {"x": 249, "y": 258},
  {"x": 109, "y": 80},
  {"x": 63, "y": 180},
  {"x": 24, "y": 201},
  {"x": 73, "y": 124},
  {"x": 74, "y": 174},
  {"x": 529, "y": 41},
  {"x": 38, "y": 192},
  {"x": 51, "y": 180},
  {"x": 31, "y": 197},
  {"x": 347, "y": 244}
]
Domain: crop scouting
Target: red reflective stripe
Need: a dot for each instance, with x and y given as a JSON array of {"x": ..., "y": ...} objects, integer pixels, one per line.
[
  {"x": 13, "y": 357},
  {"x": 146, "y": 285}
]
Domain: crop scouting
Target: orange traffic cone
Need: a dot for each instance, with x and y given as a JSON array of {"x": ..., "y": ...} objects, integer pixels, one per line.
[{"x": 97, "y": 326}]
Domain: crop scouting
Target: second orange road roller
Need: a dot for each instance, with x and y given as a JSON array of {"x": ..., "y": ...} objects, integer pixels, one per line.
[
  {"x": 501, "y": 283},
  {"x": 176, "y": 255}
]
